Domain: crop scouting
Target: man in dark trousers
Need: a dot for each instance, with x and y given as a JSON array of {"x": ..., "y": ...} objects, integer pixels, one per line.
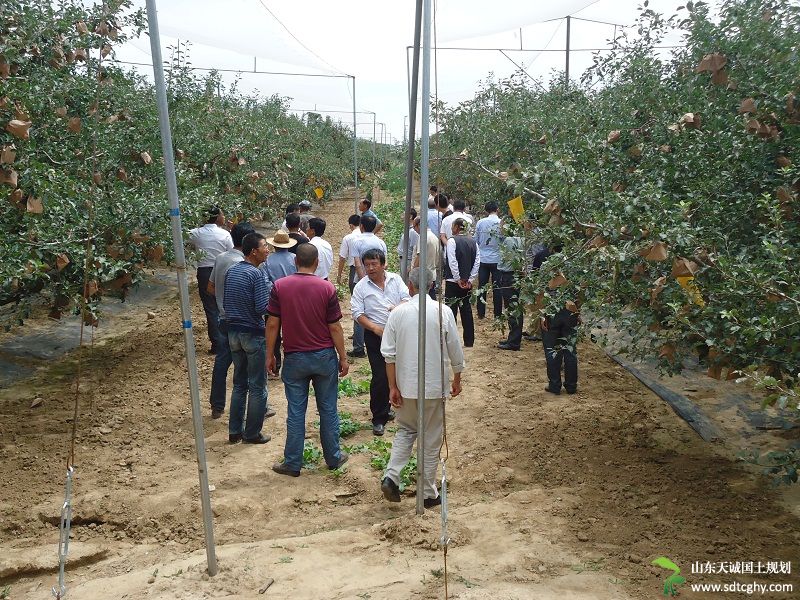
[
  {"x": 560, "y": 338},
  {"x": 210, "y": 240},
  {"x": 306, "y": 310},
  {"x": 373, "y": 298},
  {"x": 460, "y": 268}
]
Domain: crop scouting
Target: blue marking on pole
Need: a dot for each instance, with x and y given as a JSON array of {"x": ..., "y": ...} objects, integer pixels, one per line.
[
  {"x": 174, "y": 212},
  {"x": 187, "y": 324}
]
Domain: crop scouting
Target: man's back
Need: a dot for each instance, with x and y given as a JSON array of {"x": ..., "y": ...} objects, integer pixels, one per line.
[
  {"x": 400, "y": 338},
  {"x": 325, "y": 255},
  {"x": 306, "y": 305},
  {"x": 368, "y": 241},
  {"x": 211, "y": 241},
  {"x": 222, "y": 263},
  {"x": 487, "y": 235}
]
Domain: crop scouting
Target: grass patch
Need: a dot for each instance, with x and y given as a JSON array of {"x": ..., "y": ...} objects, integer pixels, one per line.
[
  {"x": 350, "y": 388},
  {"x": 380, "y": 451},
  {"x": 349, "y": 426},
  {"x": 311, "y": 455}
]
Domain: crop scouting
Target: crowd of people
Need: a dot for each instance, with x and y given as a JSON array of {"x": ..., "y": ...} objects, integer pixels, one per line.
[{"x": 272, "y": 312}]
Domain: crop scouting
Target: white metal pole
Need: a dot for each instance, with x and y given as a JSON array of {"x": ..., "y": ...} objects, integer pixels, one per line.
[
  {"x": 423, "y": 236},
  {"x": 183, "y": 284},
  {"x": 413, "y": 87}
]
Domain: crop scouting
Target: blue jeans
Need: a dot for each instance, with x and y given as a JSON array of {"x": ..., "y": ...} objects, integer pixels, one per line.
[
  {"x": 249, "y": 354},
  {"x": 321, "y": 368}
]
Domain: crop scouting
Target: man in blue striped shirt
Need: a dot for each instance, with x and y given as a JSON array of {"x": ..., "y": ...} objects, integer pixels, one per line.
[
  {"x": 245, "y": 302},
  {"x": 487, "y": 235}
]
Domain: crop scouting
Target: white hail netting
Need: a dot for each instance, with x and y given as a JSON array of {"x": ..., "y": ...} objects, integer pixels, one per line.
[{"x": 361, "y": 37}]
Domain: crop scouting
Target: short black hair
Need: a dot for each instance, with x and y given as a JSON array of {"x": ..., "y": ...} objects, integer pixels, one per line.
[
  {"x": 250, "y": 242},
  {"x": 212, "y": 213},
  {"x": 318, "y": 225},
  {"x": 412, "y": 214},
  {"x": 354, "y": 220},
  {"x": 292, "y": 220},
  {"x": 293, "y": 207},
  {"x": 306, "y": 255},
  {"x": 459, "y": 204},
  {"x": 368, "y": 202},
  {"x": 442, "y": 201},
  {"x": 239, "y": 231},
  {"x": 433, "y": 189},
  {"x": 369, "y": 223},
  {"x": 373, "y": 254},
  {"x": 491, "y": 206}
]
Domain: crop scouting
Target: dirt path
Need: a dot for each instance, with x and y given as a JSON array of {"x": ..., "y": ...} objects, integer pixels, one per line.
[{"x": 551, "y": 496}]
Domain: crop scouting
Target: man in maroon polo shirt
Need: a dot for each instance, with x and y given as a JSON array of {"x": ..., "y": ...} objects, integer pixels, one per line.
[{"x": 307, "y": 312}]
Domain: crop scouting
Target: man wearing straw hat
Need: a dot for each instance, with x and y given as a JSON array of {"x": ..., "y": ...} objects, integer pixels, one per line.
[{"x": 278, "y": 265}]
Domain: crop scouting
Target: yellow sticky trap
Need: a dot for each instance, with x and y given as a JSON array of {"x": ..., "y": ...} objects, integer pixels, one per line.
[
  {"x": 319, "y": 192},
  {"x": 691, "y": 288},
  {"x": 516, "y": 208}
]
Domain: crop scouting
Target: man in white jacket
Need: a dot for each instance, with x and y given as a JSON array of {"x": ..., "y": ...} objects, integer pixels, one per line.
[{"x": 399, "y": 349}]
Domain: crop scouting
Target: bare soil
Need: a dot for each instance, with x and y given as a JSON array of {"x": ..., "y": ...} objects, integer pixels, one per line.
[{"x": 567, "y": 496}]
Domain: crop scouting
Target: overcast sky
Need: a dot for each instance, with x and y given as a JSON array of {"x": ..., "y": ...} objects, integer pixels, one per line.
[{"x": 368, "y": 39}]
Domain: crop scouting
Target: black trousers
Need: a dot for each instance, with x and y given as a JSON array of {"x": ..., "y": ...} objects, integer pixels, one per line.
[
  {"x": 379, "y": 386},
  {"x": 209, "y": 306},
  {"x": 485, "y": 271},
  {"x": 458, "y": 300},
  {"x": 508, "y": 295},
  {"x": 559, "y": 350}
]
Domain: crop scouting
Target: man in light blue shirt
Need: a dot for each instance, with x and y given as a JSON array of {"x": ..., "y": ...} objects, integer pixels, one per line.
[
  {"x": 278, "y": 265},
  {"x": 365, "y": 207},
  {"x": 487, "y": 235}
]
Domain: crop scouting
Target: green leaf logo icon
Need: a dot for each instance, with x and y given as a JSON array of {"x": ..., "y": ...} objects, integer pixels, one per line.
[{"x": 672, "y": 582}]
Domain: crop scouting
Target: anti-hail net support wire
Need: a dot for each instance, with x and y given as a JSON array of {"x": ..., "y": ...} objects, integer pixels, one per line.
[
  {"x": 444, "y": 539},
  {"x": 87, "y": 318}
]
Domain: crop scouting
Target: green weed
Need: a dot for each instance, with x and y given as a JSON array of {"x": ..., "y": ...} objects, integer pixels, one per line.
[
  {"x": 311, "y": 455},
  {"x": 350, "y": 388}
]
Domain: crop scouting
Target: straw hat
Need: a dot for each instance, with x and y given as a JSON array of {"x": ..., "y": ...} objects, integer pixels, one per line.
[{"x": 281, "y": 239}]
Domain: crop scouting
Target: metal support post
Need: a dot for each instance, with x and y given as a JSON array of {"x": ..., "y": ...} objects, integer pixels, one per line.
[
  {"x": 413, "y": 86},
  {"x": 183, "y": 284},
  {"x": 423, "y": 233}
]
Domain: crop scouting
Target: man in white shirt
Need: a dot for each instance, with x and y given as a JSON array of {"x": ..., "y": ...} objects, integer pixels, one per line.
[
  {"x": 399, "y": 349},
  {"x": 315, "y": 231},
  {"x": 374, "y": 297},
  {"x": 346, "y": 248},
  {"x": 446, "y": 231},
  {"x": 210, "y": 240},
  {"x": 366, "y": 241},
  {"x": 460, "y": 268}
]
